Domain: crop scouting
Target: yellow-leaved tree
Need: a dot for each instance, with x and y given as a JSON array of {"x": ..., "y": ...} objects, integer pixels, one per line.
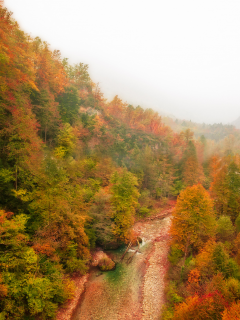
[{"x": 193, "y": 219}]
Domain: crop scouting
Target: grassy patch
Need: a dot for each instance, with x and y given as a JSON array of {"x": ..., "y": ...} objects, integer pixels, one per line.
[{"x": 116, "y": 276}]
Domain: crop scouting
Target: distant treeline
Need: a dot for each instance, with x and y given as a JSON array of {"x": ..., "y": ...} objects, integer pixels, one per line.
[{"x": 216, "y": 131}]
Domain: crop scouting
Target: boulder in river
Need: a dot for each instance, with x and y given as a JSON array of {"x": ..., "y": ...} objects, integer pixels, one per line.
[
  {"x": 102, "y": 260},
  {"x": 106, "y": 264}
]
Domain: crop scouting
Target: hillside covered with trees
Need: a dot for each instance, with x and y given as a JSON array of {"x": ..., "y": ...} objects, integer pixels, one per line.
[
  {"x": 77, "y": 170},
  {"x": 204, "y": 276}
]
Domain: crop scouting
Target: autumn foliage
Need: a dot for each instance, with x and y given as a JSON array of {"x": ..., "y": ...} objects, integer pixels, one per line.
[
  {"x": 193, "y": 219},
  {"x": 207, "y": 307},
  {"x": 204, "y": 255},
  {"x": 232, "y": 312},
  {"x": 76, "y": 171}
]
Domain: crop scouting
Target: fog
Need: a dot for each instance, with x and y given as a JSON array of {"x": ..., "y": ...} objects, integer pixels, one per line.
[{"x": 177, "y": 57}]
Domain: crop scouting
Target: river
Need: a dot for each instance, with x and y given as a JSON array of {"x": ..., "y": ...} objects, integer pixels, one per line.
[{"x": 135, "y": 290}]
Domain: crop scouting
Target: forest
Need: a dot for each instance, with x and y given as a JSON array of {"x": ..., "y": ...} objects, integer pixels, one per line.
[{"x": 77, "y": 170}]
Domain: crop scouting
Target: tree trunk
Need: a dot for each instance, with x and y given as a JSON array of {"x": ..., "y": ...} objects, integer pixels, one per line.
[
  {"x": 45, "y": 134},
  {"x": 16, "y": 176},
  {"x": 129, "y": 246},
  {"x": 186, "y": 251}
]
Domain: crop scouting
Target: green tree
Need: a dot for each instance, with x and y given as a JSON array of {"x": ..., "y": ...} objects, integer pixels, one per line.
[
  {"x": 30, "y": 290},
  {"x": 124, "y": 203},
  {"x": 69, "y": 103},
  {"x": 191, "y": 170},
  {"x": 66, "y": 141},
  {"x": 225, "y": 187},
  {"x": 225, "y": 228}
]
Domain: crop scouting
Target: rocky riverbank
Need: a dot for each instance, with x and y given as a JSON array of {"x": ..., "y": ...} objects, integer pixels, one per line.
[{"x": 133, "y": 291}]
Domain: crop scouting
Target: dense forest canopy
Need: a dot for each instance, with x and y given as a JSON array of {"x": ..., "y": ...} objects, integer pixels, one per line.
[{"x": 76, "y": 171}]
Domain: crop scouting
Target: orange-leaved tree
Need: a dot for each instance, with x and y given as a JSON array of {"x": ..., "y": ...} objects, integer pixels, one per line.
[
  {"x": 19, "y": 143},
  {"x": 232, "y": 313},
  {"x": 51, "y": 80},
  {"x": 207, "y": 307},
  {"x": 193, "y": 218}
]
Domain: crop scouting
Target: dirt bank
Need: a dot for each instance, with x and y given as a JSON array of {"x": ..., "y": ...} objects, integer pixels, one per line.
[{"x": 66, "y": 312}]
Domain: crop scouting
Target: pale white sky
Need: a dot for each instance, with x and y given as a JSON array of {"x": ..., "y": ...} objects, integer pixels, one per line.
[{"x": 177, "y": 56}]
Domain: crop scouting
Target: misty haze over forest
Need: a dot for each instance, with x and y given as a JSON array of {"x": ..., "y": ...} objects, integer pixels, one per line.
[{"x": 179, "y": 58}]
